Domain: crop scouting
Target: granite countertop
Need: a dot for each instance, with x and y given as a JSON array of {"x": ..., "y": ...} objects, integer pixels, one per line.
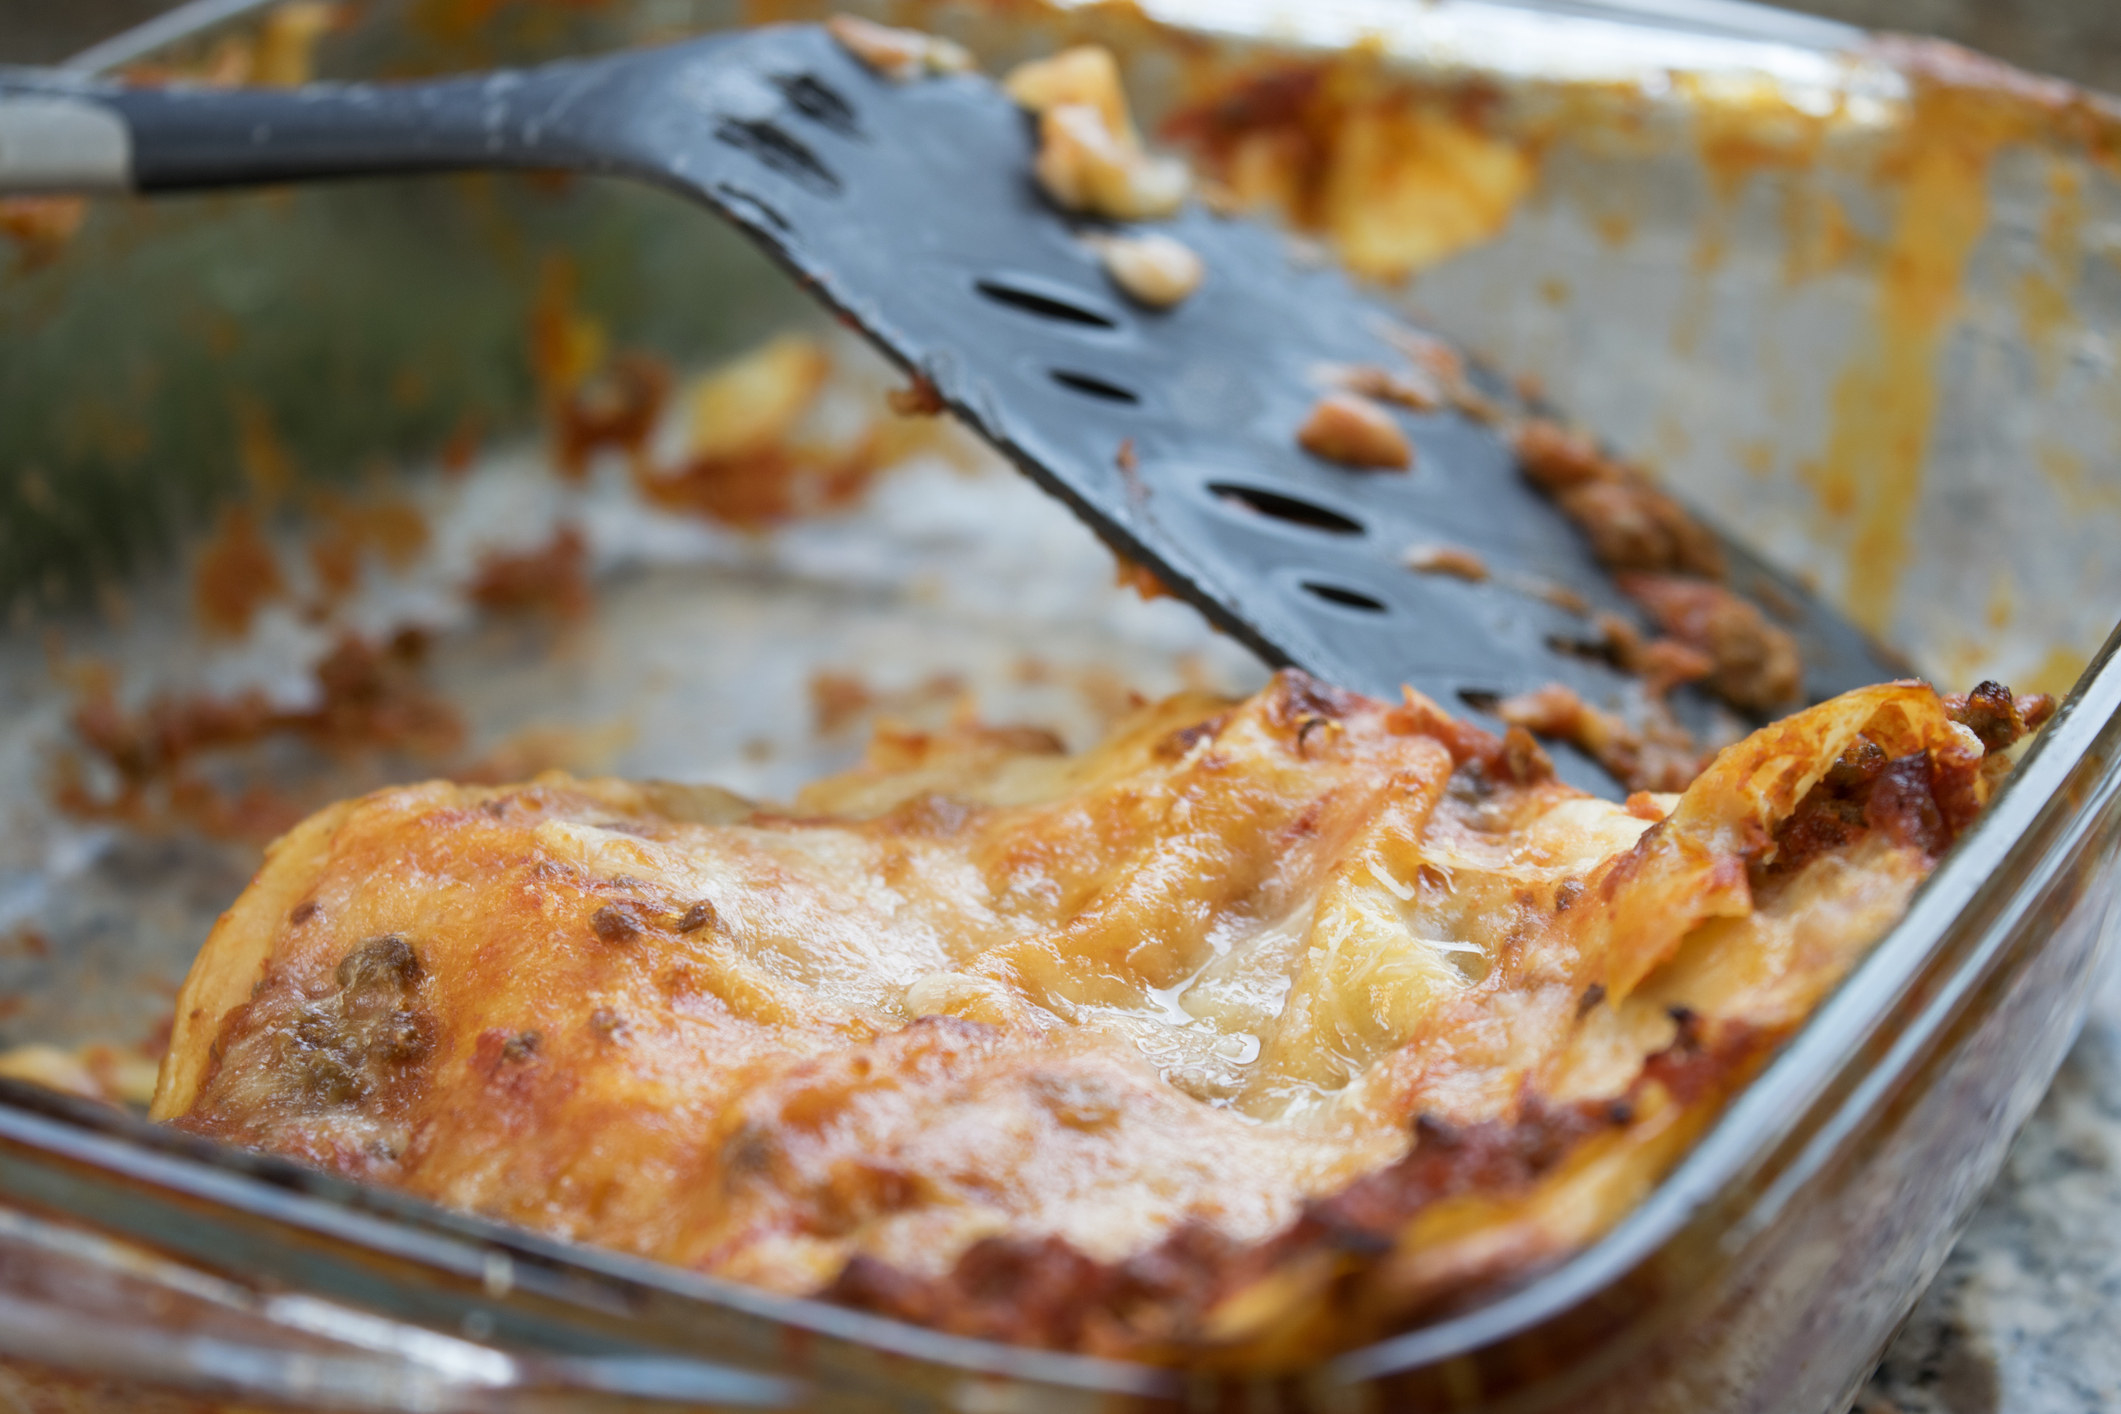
[{"x": 2025, "y": 1317}]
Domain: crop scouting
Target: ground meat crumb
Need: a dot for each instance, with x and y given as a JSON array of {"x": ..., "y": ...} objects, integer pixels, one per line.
[
  {"x": 1919, "y": 800},
  {"x": 615, "y": 409},
  {"x": 370, "y": 698},
  {"x": 1662, "y": 756},
  {"x": 1990, "y": 713},
  {"x": 615, "y": 923},
  {"x": 1556, "y": 459},
  {"x": 1356, "y": 432},
  {"x": 1671, "y": 565},
  {"x": 1665, "y": 663},
  {"x": 1130, "y": 574},
  {"x": 1662, "y": 663},
  {"x": 550, "y": 578},
  {"x": 1756, "y": 666},
  {"x": 920, "y": 398},
  {"x": 1453, "y": 560},
  {"x": 1524, "y": 759},
  {"x": 1630, "y": 523},
  {"x": 1417, "y": 393},
  {"x": 237, "y": 575}
]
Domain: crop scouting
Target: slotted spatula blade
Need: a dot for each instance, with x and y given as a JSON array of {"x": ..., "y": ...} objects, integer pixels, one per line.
[{"x": 911, "y": 209}]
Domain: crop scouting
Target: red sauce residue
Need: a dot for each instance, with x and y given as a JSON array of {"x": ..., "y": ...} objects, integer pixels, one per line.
[
  {"x": 838, "y": 700},
  {"x": 41, "y": 226},
  {"x": 552, "y": 579},
  {"x": 617, "y": 408},
  {"x": 371, "y": 700},
  {"x": 1398, "y": 175},
  {"x": 267, "y": 464},
  {"x": 756, "y": 490},
  {"x": 461, "y": 448},
  {"x": 1965, "y": 110},
  {"x": 919, "y": 398},
  {"x": 746, "y": 465},
  {"x": 1738, "y": 134},
  {"x": 27, "y": 940},
  {"x": 237, "y": 575},
  {"x": 565, "y": 346},
  {"x": 348, "y": 530},
  {"x": 1130, "y": 574}
]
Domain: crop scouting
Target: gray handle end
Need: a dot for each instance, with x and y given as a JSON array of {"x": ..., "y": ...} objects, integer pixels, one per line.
[{"x": 51, "y": 143}]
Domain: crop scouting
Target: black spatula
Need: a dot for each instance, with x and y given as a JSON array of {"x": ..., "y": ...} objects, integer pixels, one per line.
[{"x": 911, "y": 209}]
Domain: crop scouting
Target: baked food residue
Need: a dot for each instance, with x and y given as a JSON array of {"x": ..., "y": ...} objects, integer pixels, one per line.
[{"x": 1263, "y": 1029}]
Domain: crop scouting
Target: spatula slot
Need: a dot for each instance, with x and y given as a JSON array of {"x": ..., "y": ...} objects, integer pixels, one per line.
[
  {"x": 1290, "y": 510},
  {"x": 1591, "y": 649},
  {"x": 740, "y": 200},
  {"x": 786, "y": 155},
  {"x": 1090, "y": 385},
  {"x": 1043, "y": 303},
  {"x": 1343, "y": 596},
  {"x": 819, "y": 102}
]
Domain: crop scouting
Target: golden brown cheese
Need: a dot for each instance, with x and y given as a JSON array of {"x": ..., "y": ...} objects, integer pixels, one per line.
[{"x": 1258, "y": 1030}]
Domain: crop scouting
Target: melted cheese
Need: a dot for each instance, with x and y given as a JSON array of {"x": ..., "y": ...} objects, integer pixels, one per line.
[{"x": 1196, "y": 979}]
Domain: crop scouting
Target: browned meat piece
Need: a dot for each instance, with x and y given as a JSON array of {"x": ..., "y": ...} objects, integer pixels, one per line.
[
  {"x": 1453, "y": 560},
  {"x": 1350, "y": 429},
  {"x": 1661, "y": 663},
  {"x": 1417, "y": 392},
  {"x": 1756, "y": 663},
  {"x": 1631, "y": 524},
  {"x": 1662, "y": 757},
  {"x": 1990, "y": 713}
]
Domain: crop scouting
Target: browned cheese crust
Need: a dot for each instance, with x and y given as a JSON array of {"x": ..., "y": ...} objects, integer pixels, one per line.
[{"x": 1260, "y": 1030}]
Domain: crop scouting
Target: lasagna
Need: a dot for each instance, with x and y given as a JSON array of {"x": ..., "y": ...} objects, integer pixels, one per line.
[{"x": 1262, "y": 1029}]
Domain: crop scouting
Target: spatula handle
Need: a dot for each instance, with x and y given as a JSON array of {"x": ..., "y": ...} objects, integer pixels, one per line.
[
  {"x": 60, "y": 142},
  {"x": 59, "y": 134}
]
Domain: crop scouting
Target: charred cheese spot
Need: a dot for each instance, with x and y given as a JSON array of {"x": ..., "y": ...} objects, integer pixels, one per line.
[{"x": 616, "y": 923}]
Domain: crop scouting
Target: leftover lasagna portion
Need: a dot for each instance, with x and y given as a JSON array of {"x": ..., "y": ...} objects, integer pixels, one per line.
[{"x": 1260, "y": 1030}]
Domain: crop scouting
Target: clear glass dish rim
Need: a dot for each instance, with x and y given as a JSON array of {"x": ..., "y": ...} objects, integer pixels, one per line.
[{"x": 1963, "y": 915}]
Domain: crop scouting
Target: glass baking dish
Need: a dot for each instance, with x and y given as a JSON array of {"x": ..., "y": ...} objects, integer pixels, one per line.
[{"x": 1856, "y": 299}]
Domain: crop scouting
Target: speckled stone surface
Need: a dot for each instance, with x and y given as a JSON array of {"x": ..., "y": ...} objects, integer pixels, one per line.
[{"x": 2025, "y": 1317}]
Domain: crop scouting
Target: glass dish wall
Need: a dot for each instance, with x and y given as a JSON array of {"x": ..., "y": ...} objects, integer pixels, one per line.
[{"x": 1855, "y": 299}]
